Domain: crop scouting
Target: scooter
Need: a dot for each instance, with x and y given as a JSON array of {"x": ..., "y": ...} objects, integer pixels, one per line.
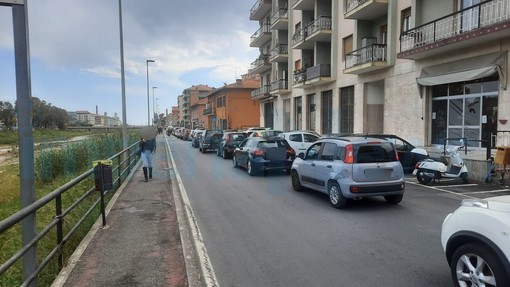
[{"x": 433, "y": 169}]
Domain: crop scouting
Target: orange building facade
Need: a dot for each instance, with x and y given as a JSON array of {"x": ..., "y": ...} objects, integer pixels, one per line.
[{"x": 231, "y": 106}]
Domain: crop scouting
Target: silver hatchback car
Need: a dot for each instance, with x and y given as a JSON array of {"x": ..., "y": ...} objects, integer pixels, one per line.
[{"x": 350, "y": 167}]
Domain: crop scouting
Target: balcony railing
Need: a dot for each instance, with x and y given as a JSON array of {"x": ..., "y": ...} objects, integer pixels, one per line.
[
  {"x": 477, "y": 16},
  {"x": 318, "y": 71},
  {"x": 262, "y": 91},
  {"x": 300, "y": 76},
  {"x": 281, "y": 14},
  {"x": 209, "y": 111},
  {"x": 319, "y": 24},
  {"x": 280, "y": 49},
  {"x": 353, "y": 4},
  {"x": 259, "y": 33},
  {"x": 299, "y": 36},
  {"x": 281, "y": 84},
  {"x": 372, "y": 53},
  {"x": 261, "y": 61},
  {"x": 257, "y": 6}
]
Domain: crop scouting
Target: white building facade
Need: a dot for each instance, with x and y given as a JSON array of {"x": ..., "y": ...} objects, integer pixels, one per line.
[{"x": 427, "y": 70}]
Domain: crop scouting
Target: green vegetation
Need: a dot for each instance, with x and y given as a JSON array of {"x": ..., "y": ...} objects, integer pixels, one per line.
[
  {"x": 54, "y": 167},
  {"x": 10, "y": 138}
]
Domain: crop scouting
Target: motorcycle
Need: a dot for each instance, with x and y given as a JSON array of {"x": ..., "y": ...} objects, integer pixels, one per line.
[{"x": 434, "y": 169}]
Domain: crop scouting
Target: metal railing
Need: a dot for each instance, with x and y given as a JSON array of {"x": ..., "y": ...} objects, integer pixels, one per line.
[
  {"x": 322, "y": 23},
  {"x": 353, "y": 4},
  {"x": 281, "y": 84},
  {"x": 265, "y": 28},
  {"x": 264, "y": 90},
  {"x": 279, "y": 49},
  {"x": 477, "y": 16},
  {"x": 317, "y": 71},
  {"x": 372, "y": 53},
  {"x": 260, "y": 61},
  {"x": 281, "y": 14},
  {"x": 122, "y": 164}
]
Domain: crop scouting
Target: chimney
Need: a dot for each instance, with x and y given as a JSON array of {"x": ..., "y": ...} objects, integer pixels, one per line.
[
  {"x": 239, "y": 81},
  {"x": 97, "y": 110}
]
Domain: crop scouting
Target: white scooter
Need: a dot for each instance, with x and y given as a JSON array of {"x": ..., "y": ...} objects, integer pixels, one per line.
[{"x": 434, "y": 169}]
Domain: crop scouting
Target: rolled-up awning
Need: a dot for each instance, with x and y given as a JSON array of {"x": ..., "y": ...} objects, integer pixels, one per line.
[{"x": 465, "y": 70}]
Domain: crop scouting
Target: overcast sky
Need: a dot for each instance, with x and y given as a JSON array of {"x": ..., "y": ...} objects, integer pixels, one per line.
[{"x": 75, "y": 51}]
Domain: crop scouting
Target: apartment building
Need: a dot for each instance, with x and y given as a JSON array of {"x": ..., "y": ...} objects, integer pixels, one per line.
[
  {"x": 426, "y": 70},
  {"x": 190, "y": 96},
  {"x": 232, "y": 106}
]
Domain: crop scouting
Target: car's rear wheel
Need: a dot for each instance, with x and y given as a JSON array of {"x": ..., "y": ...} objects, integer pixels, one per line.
[
  {"x": 250, "y": 168},
  {"x": 296, "y": 184},
  {"x": 223, "y": 154},
  {"x": 474, "y": 264},
  {"x": 234, "y": 162},
  {"x": 422, "y": 177},
  {"x": 335, "y": 196},
  {"x": 393, "y": 199}
]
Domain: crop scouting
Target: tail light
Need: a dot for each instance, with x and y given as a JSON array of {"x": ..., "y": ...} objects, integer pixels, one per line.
[
  {"x": 349, "y": 154},
  {"x": 396, "y": 153},
  {"x": 258, "y": 152},
  {"x": 227, "y": 139},
  {"x": 291, "y": 152}
]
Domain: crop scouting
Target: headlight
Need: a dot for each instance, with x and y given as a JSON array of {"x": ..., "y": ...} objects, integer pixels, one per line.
[{"x": 475, "y": 203}]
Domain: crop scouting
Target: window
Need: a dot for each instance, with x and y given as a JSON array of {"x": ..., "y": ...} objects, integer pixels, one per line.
[
  {"x": 313, "y": 152},
  {"x": 297, "y": 65},
  {"x": 295, "y": 138},
  {"x": 384, "y": 34},
  {"x": 347, "y": 44},
  {"x": 310, "y": 138},
  {"x": 329, "y": 151},
  {"x": 406, "y": 19},
  {"x": 298, "y": 124}
]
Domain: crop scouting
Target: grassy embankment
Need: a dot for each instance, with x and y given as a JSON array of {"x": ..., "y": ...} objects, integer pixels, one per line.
[{"x": 53, "y": 168}]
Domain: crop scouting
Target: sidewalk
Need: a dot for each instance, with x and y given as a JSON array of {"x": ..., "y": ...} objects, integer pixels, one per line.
[{"x": 142, "y": 243}]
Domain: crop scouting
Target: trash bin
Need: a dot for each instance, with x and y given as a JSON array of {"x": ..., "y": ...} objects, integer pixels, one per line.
[
  {"x": 502, "y": 155},
  {"x": 103, "y": 177}
]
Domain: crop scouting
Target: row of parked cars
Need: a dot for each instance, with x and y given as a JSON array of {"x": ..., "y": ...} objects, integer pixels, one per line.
[{"x": 475, "y": 237}]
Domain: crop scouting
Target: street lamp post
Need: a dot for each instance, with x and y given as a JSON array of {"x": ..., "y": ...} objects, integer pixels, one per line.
[
  {"x": 148, "y": 105},
  {"x": 153, "y": 109},
  {"x": 123, "y": 82}
]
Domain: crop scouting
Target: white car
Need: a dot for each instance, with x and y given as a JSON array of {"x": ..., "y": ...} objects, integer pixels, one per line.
[
  {"x": 476, "y": 240},
  {"x": 300, "y": 141}
]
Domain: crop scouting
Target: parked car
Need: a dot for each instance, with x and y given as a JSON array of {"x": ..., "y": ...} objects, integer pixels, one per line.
[
  {"x": 408, "y": 154},
  {"x": 249, "y": 131},
  {"x": 210, "y": 140},
  {"x": 229, "y": 142},
  {"x": 476, "y": 240},
  {"x": 265, "y": 133},
  {"x": 350, "y": 167},
  {"x": 195, "y": 141},
  {"x": 258, "y": 154},
  {"x": 300, "y": 141}
]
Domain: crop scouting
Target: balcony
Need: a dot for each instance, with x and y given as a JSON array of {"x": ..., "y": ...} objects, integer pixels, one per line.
[
  {"x": 314, "y": 76},
  {"x": 479, "y": 23},
  {"x": 261, "y": 93},
  {"x": 261, "y": 37},
  {"x": 209, "y": 112},
  {"x": 303, "y": 4},
  {"x": 280, "y": 20},
  {"x": 260, "y": 65},
  {"x": 366, "y": 59},
  {"x": 280, "y": 53},
  {"x": 260, "y": 9},
  {"x": 365, "y": 9},
  {"x": 279, "y": 87},
  {"x": 317, "y": 31}
]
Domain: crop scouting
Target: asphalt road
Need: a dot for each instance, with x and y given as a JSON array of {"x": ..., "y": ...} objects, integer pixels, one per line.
[{"x": 259, "y": 232}]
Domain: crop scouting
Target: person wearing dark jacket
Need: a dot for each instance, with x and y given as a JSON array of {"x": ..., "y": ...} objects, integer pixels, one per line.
[{"x": 147, "y": 149}]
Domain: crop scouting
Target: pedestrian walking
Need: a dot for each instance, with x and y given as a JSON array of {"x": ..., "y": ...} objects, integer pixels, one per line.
[{"x": 147, "y": 150}]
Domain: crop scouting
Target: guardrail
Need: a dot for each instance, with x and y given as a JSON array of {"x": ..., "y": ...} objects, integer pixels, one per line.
[{"x": 122, "y": 165}]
